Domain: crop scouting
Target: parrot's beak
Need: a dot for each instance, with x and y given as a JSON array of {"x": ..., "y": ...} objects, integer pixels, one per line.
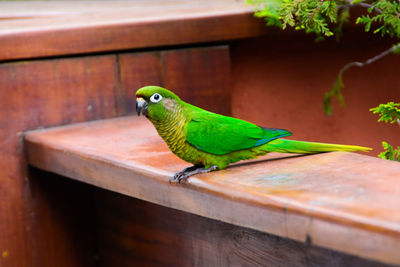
[{"x": 141, "y": 106}]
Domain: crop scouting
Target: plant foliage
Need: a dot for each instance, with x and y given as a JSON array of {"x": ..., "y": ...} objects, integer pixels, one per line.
[
  {"x": 336, "y": 91},
  {"x": 312, "y": 16},
  {"x": 389, "y": 153},
  {"x": 322, "y": 16},
  {"x": 389, "y": 113},
  {"x": 384, "y": 14}
]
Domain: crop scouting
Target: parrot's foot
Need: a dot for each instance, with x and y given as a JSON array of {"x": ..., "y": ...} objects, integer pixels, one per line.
[
  {"x": 189, "y": 171},
  {"x": 182, "y": 172}
]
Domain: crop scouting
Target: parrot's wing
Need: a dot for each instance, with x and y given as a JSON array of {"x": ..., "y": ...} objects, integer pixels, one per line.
[{"x": 219, "y": 134}]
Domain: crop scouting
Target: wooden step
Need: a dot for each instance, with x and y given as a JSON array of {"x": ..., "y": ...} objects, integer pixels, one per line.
[
  {"x": 343, "y": 201},
  {"x": 43, "y": 29}
]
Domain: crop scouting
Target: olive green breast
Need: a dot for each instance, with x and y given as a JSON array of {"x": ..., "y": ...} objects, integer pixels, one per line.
[{"x": 172, "y": 130}]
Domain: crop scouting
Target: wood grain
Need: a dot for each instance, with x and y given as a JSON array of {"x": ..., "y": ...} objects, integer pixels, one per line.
[
  {"x": 43, "y": 94},
  {"x": 138, "y": 70},
  {"x": 70, "y": 28},
  {"x": 133, "y": 232},
  {"x": 198, "y": 75},
  {"x": 212, "y": 89},
  {"x": 342, "y": 201}
]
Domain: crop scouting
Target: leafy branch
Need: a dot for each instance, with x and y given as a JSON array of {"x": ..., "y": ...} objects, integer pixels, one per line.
[
  {"x": 390, "y": 153},
  {"x": 312, "y": 16},
  {"x": 389, "y": 113},
  {"x": 338, "y": 85}
]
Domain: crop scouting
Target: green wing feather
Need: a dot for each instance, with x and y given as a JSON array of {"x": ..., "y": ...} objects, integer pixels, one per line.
[{"x": 217, "y": 134}]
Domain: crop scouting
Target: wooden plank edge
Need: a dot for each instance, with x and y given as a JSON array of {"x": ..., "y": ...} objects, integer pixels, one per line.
[
  {"x": 126, "y": 36},
  {"x": 272, "y": 201},
  {"x": 144, "y": 183}
]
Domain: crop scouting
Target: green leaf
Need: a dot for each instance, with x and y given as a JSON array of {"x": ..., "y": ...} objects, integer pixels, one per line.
[
  {"x": 336, "y": 91},
  {"x": 379, "y": 29},
  {"x": 389, "y": 153},
  {"x": 389, "y": 112}
]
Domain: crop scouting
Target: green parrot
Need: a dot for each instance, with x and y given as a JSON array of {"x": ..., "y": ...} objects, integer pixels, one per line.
[{"x": 211, "y": 141}]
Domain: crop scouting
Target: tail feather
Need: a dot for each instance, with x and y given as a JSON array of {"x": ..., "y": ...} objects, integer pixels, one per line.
[{"x": 302, "y": 147}]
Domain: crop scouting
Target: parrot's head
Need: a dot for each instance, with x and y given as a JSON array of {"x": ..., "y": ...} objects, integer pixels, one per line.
[{"x": 155, "y": 102}]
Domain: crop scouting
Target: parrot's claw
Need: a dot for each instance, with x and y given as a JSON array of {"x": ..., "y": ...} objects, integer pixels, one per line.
[
  {"x": 189, "y": 171},
  {"x": 178, "y": 176}
]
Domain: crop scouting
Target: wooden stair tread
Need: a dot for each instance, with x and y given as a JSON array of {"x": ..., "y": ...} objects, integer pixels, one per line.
[
  {"x": 344, "y": 201},
  {"x": 43, "y": 29}
]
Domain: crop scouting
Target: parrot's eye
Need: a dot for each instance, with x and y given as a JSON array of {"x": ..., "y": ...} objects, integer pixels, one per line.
[{"x": 155, "y": 98}]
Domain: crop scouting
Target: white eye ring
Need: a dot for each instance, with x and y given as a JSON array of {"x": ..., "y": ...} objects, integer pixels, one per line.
[{"x": 155, "y": 98}]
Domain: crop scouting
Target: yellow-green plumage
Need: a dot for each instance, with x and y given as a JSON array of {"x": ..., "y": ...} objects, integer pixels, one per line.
[
  {"x": 172, "y": 130},
  {"x": 207, "y": 139}
]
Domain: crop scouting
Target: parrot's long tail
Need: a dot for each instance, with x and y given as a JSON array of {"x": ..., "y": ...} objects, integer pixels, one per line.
[{"x": 301, "y": 147}]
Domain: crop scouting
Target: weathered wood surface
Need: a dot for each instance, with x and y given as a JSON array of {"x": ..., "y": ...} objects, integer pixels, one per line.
[
  {"x": 42, "y": 29},
  {"x": 343, "y": 201},
  {"x": 44, "y": 93},
  {"x": 134, "y": 232}
]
